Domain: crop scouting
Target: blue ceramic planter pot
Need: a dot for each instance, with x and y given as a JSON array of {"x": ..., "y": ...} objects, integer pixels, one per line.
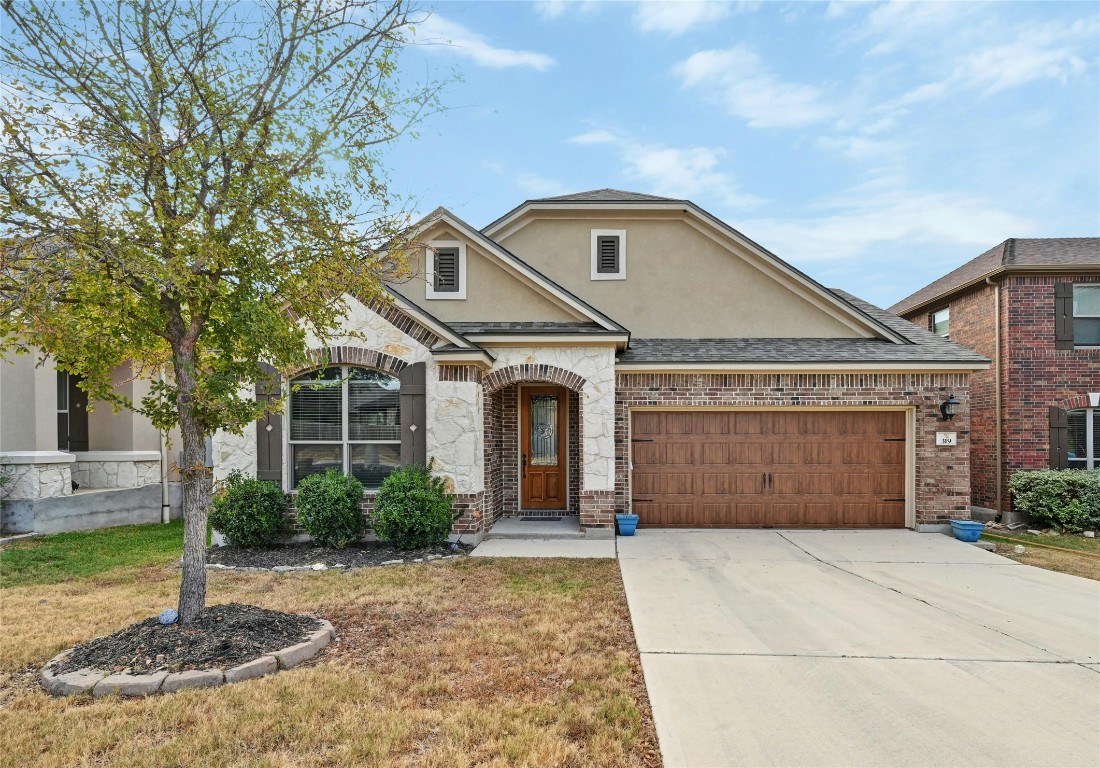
[
  {"x": 627, "y": 524},
  {"x": 967, "y": 530}
]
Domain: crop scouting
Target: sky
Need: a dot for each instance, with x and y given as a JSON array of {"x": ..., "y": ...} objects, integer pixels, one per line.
[{"x": 875, "y": 146}]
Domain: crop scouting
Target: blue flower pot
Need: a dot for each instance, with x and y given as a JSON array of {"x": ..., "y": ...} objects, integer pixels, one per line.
[
  {"x": 627, "y": 524},
  {"x": 967, "y": 530}
]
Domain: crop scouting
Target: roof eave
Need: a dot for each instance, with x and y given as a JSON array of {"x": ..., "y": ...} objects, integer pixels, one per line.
[{"x": 996, "y": 273}]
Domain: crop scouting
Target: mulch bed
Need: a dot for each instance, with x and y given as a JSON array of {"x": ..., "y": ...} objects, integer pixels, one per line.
[
  {"x": 360, "y": 554},
  {"x": 224, "y": 636}
]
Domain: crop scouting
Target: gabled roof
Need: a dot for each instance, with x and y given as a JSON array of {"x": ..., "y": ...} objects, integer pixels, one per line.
[
  {"x": 925, "y": 349},
  {"x": 1023, "y": 254},
  {"x": 605, "y": 196},
  {"x": 520, "y": 268},
  {"x": 809, "y": 288}
]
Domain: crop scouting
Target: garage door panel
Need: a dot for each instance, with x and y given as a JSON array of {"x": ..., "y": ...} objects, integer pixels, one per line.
[
  {"x": 782, "y": 469},
  {"x": 717, "y": 423},
  {"x": 677, "y": 483},
  {"x": 678, "y": 453},
  {"x": 648, "y": 423}
]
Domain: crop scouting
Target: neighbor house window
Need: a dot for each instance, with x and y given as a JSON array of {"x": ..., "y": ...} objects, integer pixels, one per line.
[
  {"x": 1086, "y": 315},
  {"x": 348, "y": 419},
  {"x": 941, "y": 322},
  {"x": 609, "y": 254},
  {"x": 1084, "y": 439},
  {"x": 446, "y": 270}
]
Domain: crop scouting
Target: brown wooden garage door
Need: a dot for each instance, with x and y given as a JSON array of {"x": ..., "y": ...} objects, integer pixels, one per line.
[{"x": 737, "y": 469}]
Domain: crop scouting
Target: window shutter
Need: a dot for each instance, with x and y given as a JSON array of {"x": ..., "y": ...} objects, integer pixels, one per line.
[
  {"x": 607, "y": 255},
  {"x": 1063, "y": 315},
  {"x": 269, "y": 429},
  {"x": 414, "y": 409},
  {"x": 1059, "y": 438},
  {"x": 446, "y": 269}
]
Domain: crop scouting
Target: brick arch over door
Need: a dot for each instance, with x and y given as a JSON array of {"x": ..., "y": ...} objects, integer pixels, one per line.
[
  {"x": 347, "y": 355},
  {"x": 501, "y": 419},
  {"x": 532, "y": 373},
  {"x": 1058, "y": 445}
]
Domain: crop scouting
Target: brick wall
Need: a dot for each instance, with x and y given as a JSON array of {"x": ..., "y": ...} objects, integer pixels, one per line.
[
  {"x": 942, "y": 473},
  {"x": 1037, "y": 375},
  {"x": 1034, "y": 374}
]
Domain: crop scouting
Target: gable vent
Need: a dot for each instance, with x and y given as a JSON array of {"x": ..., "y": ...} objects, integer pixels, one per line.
[
  {"x": 446, "y": 269},
  {"x": 607, "y": 255}
]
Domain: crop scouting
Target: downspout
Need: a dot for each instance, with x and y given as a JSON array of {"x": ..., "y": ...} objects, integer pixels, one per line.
[
  {"x": 165, "y": 503},
  {"x": 997, "y": 386}
]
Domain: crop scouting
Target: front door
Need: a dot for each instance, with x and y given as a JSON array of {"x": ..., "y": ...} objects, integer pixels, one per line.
[{"x": 542, "y": 448}]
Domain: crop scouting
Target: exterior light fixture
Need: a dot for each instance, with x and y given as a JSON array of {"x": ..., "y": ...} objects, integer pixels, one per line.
[{"x": 949, "y": 407}]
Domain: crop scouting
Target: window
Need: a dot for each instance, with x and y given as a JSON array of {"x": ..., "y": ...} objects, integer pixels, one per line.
[
  {"x": 446, "y": 268},
  {"x": 609, "y": 254},
  {"x": 941, "y": 322},
  {"x": 348, "y": 419},
  {"x": 1086, "y": 315},
  {"x": 1084, "y": 439}
]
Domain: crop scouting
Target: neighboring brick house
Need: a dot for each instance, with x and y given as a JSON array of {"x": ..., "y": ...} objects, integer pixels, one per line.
[{"x": 1033, "y": 307}]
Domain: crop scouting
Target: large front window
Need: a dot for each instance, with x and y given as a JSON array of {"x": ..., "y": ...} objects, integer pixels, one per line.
[
  {"x": 1084, "y": 439},
  {"x": 348, "y": 419}
]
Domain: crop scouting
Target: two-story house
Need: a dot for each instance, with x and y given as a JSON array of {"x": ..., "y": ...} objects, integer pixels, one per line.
[{"x": 1033, "y": 307}]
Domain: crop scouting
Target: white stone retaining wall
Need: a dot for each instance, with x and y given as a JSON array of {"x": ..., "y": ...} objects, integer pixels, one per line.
[
  {"x": 38, "y": 481},
  {"x": 100, "y": 470}
]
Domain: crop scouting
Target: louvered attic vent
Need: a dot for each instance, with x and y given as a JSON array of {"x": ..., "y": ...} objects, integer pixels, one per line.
[
  {"x": 446, "y": 270},
  {"x": 607, "y": 255}
]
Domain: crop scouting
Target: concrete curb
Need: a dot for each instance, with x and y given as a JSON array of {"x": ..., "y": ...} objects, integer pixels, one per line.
[{"x": 100, "y": 683}]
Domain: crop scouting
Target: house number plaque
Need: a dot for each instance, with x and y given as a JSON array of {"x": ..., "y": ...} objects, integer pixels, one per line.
[{"x": 946, "y": 438}]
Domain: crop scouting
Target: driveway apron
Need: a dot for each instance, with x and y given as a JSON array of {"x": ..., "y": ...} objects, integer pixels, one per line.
[{"x": 861, "y": 648}]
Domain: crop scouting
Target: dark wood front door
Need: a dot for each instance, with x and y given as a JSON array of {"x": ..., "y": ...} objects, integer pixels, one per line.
[
  {"x": 782, "y": 469},
  {"x": 542, "y": 448}
]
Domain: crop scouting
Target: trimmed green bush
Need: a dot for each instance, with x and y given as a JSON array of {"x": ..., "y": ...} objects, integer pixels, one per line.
[
  {"x": 1067, "y": 499},
  {"x": 328, "y": 508},
  {"x": 248, "y": 512},
  {"x": 412, "y": 509}
]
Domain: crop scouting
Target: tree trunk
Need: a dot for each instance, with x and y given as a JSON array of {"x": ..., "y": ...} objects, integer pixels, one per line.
[{"x": 197, "y": 495}]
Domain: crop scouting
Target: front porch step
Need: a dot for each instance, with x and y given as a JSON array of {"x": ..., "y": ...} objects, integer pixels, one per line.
[{"x": 568, "y": 527}]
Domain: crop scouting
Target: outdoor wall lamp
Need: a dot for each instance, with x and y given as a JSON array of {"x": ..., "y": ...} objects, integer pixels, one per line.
[{"x": 949, "y": 407}]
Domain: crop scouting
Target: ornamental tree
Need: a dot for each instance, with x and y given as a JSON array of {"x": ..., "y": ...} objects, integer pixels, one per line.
[{"x": 193, "y": 188}]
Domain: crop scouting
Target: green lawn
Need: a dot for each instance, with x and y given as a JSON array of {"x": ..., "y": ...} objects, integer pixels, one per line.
[
  {"x": 69, "y": 556},
  {"x": 1065, "y": 542}
]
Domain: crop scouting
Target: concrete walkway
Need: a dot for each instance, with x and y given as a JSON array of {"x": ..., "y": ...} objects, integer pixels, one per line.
[
  {"x": 537, "y": 537},
  {"x": 861, "y": 648}
]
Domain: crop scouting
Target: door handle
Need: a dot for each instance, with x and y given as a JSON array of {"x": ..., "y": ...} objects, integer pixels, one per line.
[
  {"x": 764, "y": 479},
  {"x": 771, "y": 481},
  {"x": 523, "y": 466}
]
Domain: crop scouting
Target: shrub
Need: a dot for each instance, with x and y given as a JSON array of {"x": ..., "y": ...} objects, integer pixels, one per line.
[
  {"x": 1068, "y": 499},
  {"x": 328, "y": 508},
  {"x": 248, "y": 512},
  {"x": 412, "y": 509}
]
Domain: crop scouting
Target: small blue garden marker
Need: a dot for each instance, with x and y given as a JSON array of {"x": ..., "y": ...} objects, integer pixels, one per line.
[{"x": 168, "y": 616}]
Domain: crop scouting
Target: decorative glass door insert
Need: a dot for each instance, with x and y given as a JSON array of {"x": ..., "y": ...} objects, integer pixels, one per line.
[{"x": 544, "y": 430}]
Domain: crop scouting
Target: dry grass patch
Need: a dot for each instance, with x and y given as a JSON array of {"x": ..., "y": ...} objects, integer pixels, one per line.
[
  {"x": 469, "y": 662},
  {"x": 1053, "y": 560}
]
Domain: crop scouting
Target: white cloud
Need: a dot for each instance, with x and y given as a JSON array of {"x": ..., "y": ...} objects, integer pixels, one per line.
[
  {"x": 857, "y": 147},
  {"x": 874, "y": 223},
  {"x": 681, "y": 172},
  {"x": 743, "y": 84},
  {"x": 465, "y": 42},
  {"x": 534, "y": 185},
  {"x": 676, "y": 18},
  {"x": 555, "y": 9}
]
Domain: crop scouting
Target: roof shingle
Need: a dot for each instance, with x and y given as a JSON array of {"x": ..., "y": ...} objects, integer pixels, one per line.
[
  {"x": 1014, "y": 252},
  {"x": 606, "y": 196}
]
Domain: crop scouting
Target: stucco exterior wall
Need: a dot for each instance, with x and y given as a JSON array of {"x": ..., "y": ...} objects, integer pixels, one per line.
[
  {"x": 679, "y": 282},
  {"x": 597, "y": 366},
  {"x": 492, "y": 292}
]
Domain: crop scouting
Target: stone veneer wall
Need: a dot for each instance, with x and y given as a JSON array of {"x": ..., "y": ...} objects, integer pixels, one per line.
[
  {"x": 115, "y": 474},
  {"x": 942, "y": 473},
  {"x": 38, "y": 481}
]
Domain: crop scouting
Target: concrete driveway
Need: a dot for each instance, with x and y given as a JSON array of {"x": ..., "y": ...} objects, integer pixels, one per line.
[{"x": 861, "y": 648}]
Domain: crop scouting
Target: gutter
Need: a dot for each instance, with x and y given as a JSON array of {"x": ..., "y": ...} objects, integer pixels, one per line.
[{"x": 997, "y": 387}]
